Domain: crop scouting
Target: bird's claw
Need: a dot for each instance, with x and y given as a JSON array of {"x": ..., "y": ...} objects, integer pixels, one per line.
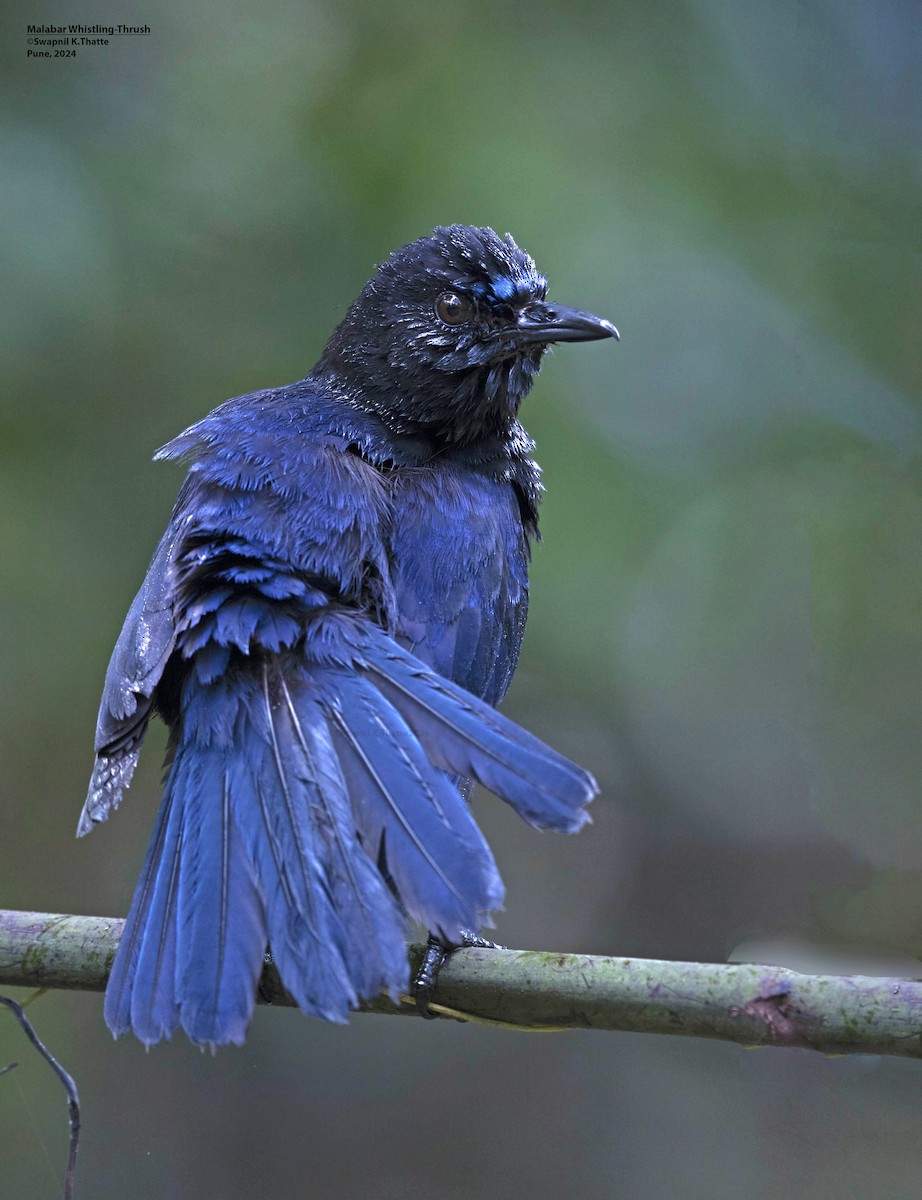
[
  {"x": 261, "y": 990},
  {"x": 437, "y": 952}
]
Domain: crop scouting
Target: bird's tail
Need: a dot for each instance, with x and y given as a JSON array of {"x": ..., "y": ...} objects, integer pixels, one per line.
[{"x": 308, "y": 808}]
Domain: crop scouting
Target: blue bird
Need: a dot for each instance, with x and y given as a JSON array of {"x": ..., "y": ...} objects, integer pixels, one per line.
[{"x": 335, "y": 608}]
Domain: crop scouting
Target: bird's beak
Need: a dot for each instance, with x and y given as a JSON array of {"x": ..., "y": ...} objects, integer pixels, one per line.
[{"x": 556, "y": 323}]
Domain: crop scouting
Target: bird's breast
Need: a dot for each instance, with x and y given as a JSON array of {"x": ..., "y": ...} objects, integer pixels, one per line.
[{"x": 458, "y": 565}]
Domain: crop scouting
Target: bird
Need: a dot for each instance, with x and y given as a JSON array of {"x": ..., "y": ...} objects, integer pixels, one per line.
[{"x": 326, "y": 626}]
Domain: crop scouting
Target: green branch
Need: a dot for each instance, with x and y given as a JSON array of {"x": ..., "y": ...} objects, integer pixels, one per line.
[{"x": 751, "y": 1005}]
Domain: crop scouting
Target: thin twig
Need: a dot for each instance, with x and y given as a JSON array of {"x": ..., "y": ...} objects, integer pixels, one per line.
[
  {"x": 73, "y": 1100},
  {"x": 745, "y": 1003}
]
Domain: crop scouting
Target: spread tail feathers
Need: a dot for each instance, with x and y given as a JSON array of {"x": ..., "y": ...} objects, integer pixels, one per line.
[
  {"x": 463, "y": 734},
  {"x": 309, "y": 808}
]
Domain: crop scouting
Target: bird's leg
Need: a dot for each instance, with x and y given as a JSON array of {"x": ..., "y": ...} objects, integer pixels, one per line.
[
  {"x": 261, "y": 990},
  {"x": 437, "y": 952}
]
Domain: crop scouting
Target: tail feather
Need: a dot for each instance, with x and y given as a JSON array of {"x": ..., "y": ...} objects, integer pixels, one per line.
[
  {"x": 373, "y": 924},
  {"x": 335, "y": 930},
  {"x": 462, "y": 734},
  {"x": 310, "y": 806},
  {"x": 437, "y": 857},
  {"x": 221, "y": 930},
  {"x": 141, "y": 994},
  {"x": 270, "y": 789},
  {"x": 191, "y": 951}
]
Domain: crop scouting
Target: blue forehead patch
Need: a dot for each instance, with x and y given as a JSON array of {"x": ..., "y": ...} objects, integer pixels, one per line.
[{"x": 503, "y": 288}]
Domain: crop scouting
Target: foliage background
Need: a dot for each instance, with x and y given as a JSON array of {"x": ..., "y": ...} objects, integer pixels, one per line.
[{"x": 725, "y": 610}]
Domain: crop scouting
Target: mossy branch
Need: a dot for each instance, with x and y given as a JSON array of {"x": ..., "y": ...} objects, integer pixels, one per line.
[{"x": 744, "y": 1003}]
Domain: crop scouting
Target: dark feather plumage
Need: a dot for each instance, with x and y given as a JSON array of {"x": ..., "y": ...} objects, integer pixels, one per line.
[{"x": 337, "y": 603}]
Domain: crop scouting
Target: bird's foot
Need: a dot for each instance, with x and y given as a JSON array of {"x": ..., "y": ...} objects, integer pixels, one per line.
[
  {"x": 437, "y": 952},
  {"x": 261, "y": 990}
]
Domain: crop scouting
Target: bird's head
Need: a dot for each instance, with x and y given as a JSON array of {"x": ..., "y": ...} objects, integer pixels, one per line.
[{"x": 448, "y": 334}]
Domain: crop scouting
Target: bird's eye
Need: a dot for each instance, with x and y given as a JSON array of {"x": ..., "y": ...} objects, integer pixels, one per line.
[{"x": 453, "y": 309}]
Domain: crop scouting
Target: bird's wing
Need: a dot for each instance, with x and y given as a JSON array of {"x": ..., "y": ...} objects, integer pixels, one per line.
[{"x": 137, "y": 664}]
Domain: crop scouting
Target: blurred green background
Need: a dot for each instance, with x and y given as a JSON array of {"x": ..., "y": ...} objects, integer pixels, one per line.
[{"x": 724, "y": 624}]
